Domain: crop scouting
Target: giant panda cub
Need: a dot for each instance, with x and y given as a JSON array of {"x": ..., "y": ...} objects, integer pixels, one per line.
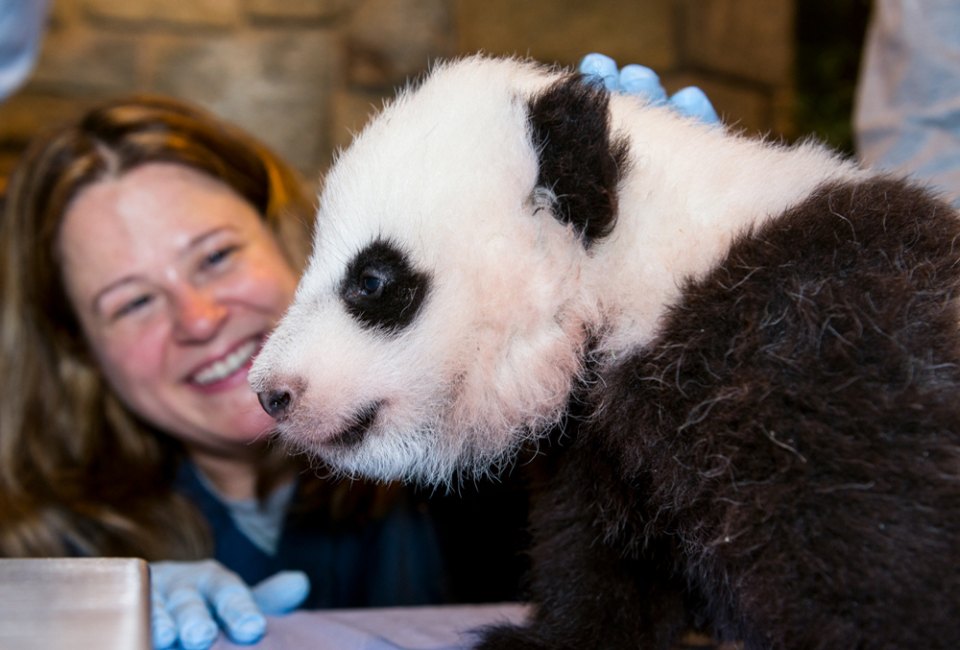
[{"x": 751, "y": 351}]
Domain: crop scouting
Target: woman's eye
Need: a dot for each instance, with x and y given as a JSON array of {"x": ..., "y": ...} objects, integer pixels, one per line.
[
  {"x": 132, "y": 305},
  {"x": 371, "y": 285},
  {"x": 219, "y": 256}
]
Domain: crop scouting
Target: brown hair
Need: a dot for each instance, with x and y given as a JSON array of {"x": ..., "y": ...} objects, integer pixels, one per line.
[{"x": 80, "y": 473}]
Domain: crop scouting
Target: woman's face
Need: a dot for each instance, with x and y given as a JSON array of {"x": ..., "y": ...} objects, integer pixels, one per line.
[{"x": 177, "y": 281}]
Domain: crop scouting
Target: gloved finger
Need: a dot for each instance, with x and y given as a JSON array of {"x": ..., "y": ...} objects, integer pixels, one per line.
[
  {"x": 282, "y": 592},
  {"x": 162, "y": 628},
  {"x": 233, "y": 603},
  {"x": 195, "y": 626},
  {"x": 693, "y": 102},
  {"x": 601, "y": 67},
  {"x": 642, "y": 81}
]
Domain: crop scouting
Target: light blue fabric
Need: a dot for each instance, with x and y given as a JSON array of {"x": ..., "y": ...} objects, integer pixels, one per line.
[
  {"x": 642, "y": 81},
  {"x": 260, "y": 521},
  {"x": 21, "y": 29},
  {"x": 907, "y": 111}
]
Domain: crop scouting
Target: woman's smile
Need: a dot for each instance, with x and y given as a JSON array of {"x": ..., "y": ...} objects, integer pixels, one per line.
[{"x": 224, "y": 372}]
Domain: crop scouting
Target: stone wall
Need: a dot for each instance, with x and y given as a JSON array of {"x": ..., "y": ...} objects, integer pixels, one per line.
[{"x": 304, "y": 74}]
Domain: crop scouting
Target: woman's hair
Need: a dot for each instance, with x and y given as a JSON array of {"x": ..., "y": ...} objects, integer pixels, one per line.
[{"x": 80, "y": 473}]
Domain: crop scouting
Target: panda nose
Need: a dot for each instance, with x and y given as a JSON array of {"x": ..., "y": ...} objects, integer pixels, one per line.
[{"x": 277, "y": 403}]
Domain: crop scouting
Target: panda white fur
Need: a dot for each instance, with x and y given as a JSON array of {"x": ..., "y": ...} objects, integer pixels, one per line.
[{"x": 751, "y": 350}]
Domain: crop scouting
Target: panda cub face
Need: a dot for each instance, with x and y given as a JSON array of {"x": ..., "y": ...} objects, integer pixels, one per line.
[{"x": 440, "y": 320}]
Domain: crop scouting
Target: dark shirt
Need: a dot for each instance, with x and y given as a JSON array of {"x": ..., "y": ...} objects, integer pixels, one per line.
[{"x": 391, "y": 561}]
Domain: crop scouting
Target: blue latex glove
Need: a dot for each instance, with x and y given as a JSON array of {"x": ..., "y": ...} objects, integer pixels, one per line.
[
  {"x": 21, "y": 30},
  {"x": 189, "y": 599},
  {"x": 641, "y": 80}
]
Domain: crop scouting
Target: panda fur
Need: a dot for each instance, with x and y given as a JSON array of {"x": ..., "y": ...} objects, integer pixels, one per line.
[{"x": 751, "y": 351}]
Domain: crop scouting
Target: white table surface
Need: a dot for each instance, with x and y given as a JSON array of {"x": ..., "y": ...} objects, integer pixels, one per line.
[
  {"x": 401, "y": 628},
  {"x": 95, "y": 603}
]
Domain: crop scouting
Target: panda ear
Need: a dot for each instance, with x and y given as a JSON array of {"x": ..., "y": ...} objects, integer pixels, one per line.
[{"x": 580, "y": 163}]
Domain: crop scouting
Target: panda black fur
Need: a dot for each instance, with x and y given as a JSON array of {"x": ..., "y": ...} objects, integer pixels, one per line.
[{"x": 752, "y": 350}]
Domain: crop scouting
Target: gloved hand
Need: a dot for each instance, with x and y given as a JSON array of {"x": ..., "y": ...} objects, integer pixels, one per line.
[
  {"x": 641, "y": 80},
  {"x": 188, "y": 599}
]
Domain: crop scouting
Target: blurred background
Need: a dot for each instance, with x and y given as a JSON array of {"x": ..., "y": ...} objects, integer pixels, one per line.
[{"x": 304, "y": 74}]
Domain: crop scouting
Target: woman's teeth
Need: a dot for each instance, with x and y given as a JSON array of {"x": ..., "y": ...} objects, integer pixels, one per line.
[{"x": 226, "y": 366}]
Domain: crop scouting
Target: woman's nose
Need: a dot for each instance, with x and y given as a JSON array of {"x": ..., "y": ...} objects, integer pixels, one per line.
[{"x": 197, "y": 315}]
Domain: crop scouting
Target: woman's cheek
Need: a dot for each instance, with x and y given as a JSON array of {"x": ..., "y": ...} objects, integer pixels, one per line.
[
  {"x": 267, "y": 287},
  {"x": 125, "y": 356}
]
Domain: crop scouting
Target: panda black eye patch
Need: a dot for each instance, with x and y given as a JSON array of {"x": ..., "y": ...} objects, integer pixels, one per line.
[{"x": 381, "y": 289}]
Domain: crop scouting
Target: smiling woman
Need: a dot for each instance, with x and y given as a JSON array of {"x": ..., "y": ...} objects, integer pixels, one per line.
[
  {"x": 109, "y": 249},
  {"x": 147, "y": 250},
  {"x": 176, "y": 281}
]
